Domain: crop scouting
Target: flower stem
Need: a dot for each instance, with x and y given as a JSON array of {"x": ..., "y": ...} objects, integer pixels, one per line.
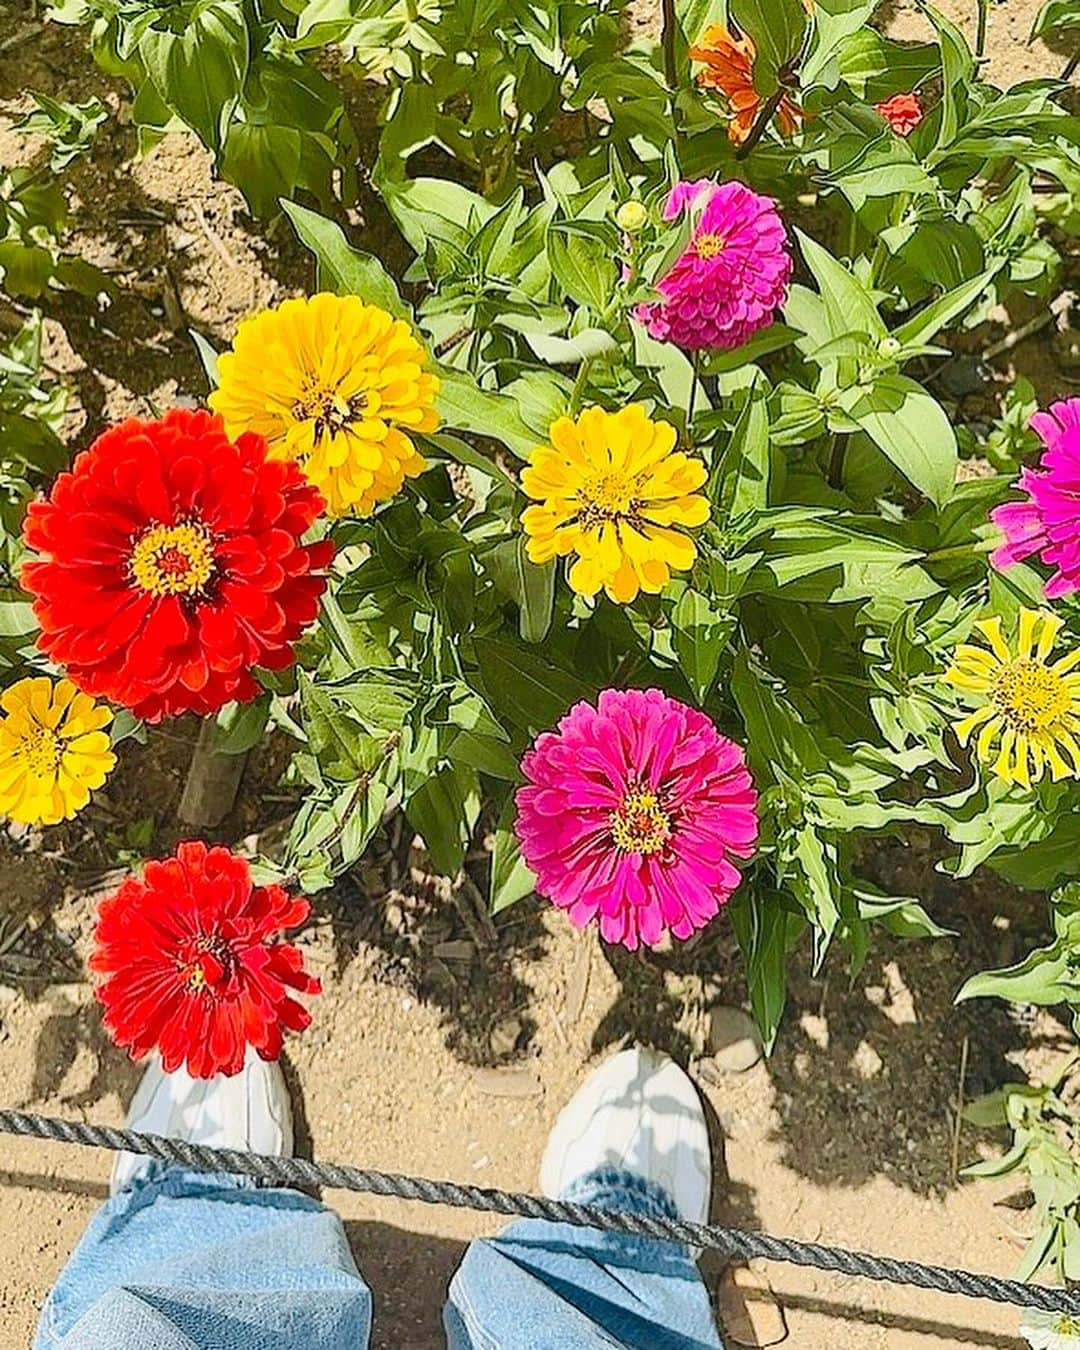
[
  {"x": 837, "y": 452},
  {"x": 959, "y": 551},
  {"x": 579, "y": 385},
  {"x": 668, "y": 33},
  {"x": 764, "y": 117},
  {"x": 983, "y": 7},
  {"x": 694, "y": 381}
]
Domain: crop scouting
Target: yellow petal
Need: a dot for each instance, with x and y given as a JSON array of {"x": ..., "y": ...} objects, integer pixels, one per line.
[{"x": 991, "y": 629}]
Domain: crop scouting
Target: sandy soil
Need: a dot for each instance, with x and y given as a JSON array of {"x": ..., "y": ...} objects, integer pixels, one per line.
[{"x": 441, "y": 1047}]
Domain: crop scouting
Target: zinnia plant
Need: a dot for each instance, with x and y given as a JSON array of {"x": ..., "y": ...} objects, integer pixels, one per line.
[
  {"x": 171, "y": 565},
  {"x": 193, "y": 964},
  {"x": 1048, "y": 522},
  {"x": 337, "y": 386},
  {"x": 612, "y": 489},
  {"x": 733, "y": 274},
  {"x": 632, "y": 815},
  {"x": 1028, "y": 716},
  {"x": 54, "y": 750}
]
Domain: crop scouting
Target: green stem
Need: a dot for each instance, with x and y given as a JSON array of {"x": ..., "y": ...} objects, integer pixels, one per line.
[
  {"x": 764, "y": 117},
  {"x": 1071, "y": 65},
  {"x": 695, "y": 380},
  {"x": 959, "y": 551},
  {"x": 669, "y": 36},
  {"x": 980, "y": 32},
  {"x": 579, "y": 385},
  {"x": 669, "y": 28},
  {"x": 837, "y": 452}
]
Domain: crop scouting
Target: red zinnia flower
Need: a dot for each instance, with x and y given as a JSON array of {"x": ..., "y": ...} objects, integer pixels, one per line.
[
  {"x": 903, "y": 112},
  {"x": 173, "y": 565},
  {"x": 193, "y": 966}
]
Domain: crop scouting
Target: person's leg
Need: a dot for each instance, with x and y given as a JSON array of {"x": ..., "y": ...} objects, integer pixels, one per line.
[
  {"x": 181, "y": 1260},
  {"x": 632, "y": 1138}
]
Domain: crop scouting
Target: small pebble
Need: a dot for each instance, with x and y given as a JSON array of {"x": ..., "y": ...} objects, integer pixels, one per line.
[{"x": 733, "y": 1040}]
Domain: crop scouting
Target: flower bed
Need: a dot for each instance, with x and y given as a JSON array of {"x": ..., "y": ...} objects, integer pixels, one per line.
[{"x": 621, "y": 534}]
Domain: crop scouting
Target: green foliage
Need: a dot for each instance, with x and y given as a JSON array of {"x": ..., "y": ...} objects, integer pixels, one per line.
[
  {"x": 843, "y": 560},
  {"x": 70, "y": 127},
  {"x": 30, "y": 452},
  {"x": 1044, "y": 1124},
  {"x": 33, "y": 221}
]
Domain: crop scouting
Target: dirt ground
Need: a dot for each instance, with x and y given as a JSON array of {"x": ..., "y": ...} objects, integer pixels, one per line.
[{"x": 445, "y": 1045}]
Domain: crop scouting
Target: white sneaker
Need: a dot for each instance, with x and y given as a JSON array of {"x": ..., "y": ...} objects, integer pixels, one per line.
[
  {"x": 251, "y": 1110},
  {"x": 640, "y": 1113}
]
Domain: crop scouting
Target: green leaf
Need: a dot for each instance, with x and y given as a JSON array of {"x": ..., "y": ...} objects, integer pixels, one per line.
[
  {"x": 911, "y": 429},
  {"x": 530, "y": 691},
  {"x": 701, "y": 634},
  {"x": 777, "y": 28},
  {"x": 900, "y": 915},
  {"x": 1037, "y": 979},
  {"x": 444, "y": 810},
  {"x": 240, "y": 726},
  {"x": 264, "y": 162},
  {"x": 768, "y": 340},
  {"x": 199, "y": 69},
  {"x": 761, "y": 924},
  {"x": 848, "y": 304},
  {"x": 1042, "y": 863},
  {"x": 742, "y": 480},
  {"x": 537, "y": 582},
  {"x": 340, "y": 744},
  {"x": 583, "y": 266},
  {"x": 1056, "y": 16},
  {"x": 207, "y": 355},
  {"x": 941, "y": 312},
  {"x": 464, "y": 406},
  {"x": 511, "y": 877},
  {"x": 342, "y": 268},
  {"x": 454, "y": 448}
]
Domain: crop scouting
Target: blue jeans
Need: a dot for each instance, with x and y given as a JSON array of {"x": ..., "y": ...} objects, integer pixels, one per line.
[{"x": 190, "y": 1261}]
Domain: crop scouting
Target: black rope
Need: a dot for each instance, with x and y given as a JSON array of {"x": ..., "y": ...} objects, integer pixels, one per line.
[{"x": 734, "y": 1242}]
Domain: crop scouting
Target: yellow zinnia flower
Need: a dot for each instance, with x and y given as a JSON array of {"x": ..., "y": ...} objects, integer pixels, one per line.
[
  {"x": 612, "y": 488},
  {"x": 53, "y": 750},
  {"x": 1030, "y": 711},
  {"x": 336, "y": 385}
]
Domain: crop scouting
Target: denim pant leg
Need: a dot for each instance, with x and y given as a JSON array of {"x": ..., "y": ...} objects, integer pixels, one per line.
[
  {"x": 193, "y": 1261},
  {"x": 551, "y": 1286}
]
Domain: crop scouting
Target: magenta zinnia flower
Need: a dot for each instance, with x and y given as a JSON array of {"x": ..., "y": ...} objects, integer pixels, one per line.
[
  {"x": 733, "y": 274},
  {"x": 1048, "y": 523},
  {"x": 632, "y": 813}
]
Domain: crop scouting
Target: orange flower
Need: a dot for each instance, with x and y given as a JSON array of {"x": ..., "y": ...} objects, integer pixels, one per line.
[{"x": 729, "y": 67}]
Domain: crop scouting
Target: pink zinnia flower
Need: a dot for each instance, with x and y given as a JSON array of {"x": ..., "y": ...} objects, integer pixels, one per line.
[
  {"x": 903, "y": 112},
  {"x": 1048, "y": 523},
  {"x": 632, "y": 813},
  {"x": 732, "y": 276}
]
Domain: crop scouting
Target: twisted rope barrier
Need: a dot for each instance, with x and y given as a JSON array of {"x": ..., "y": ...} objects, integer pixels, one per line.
[{"x": 735, "y": 1242}]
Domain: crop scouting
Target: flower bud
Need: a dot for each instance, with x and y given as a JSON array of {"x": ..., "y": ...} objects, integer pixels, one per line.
[
  {"x": 890, "y": 347},
  {"x": 631, "y": 216}
]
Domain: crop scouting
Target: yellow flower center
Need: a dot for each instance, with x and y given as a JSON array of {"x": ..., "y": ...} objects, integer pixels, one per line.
[
  {"x": 609, "y": 496},
  {"x": 173, "y": 559},
  {"x": 205, "y": 963},
  {"x": 327, "y": 409},
  {"x": 640, "y": 825},
  {"x": 709, "y": 245},
  {"x": 1029, "y": 696},
  {"x": 42, "y": 751},
  {"x": 1067, "y": 1325}
]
